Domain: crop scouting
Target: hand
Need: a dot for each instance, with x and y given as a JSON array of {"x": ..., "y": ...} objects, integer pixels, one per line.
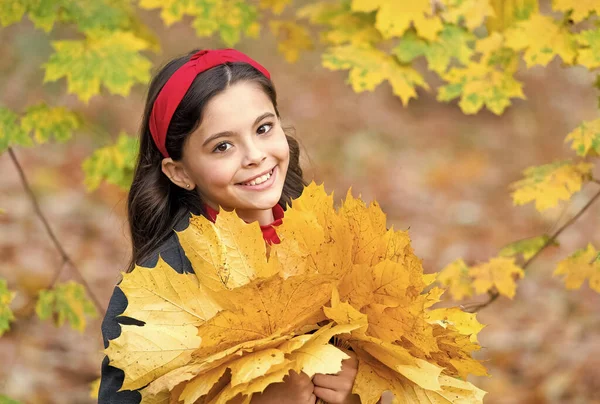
[
  {"x": 337, "y": 389},
  {"x": 295, "y": 389}
]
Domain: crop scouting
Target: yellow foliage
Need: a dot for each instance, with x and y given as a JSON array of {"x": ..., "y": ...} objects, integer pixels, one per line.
[
  {"x": 243, "y": 320},
  {"x": 276, "y": 6},
  {"x": 395, "y": 17},
  {"x": 542, "y": 38},
  {"x": 580, "y": 8},
  {"x": 369, "y": 67},
  {"x": 456, "y": 277},
  {"x": 499, "y": 272},
  {"x": 472, "y": 12},
  {"x": 95, "y": 388},
  {"x": 550, "y": 183},
  {"x": 507, "y": 12},
  {"x": 589, "y": 53},
  {"x": 581, "y": 265},
  {"x": 292, "y": 38},
  {"x": 586, "y": 139}
]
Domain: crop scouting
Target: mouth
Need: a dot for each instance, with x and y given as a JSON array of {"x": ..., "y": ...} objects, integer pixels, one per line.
[{"x": 260, "y": 182}]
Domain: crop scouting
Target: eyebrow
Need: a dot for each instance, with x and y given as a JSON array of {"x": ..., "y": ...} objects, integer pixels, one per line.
[{"x": 230, "y": 133}]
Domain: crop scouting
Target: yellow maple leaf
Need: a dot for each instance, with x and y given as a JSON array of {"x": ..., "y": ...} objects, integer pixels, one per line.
[
  {"x": 369, "y": 67},
  {"x": 550, "y": 183},
  {"x": 395, "y": 17},
  {"x": 507, "y": 12},
  {"x": 243, "y": 320},
  {"x": 456, "y": 276},
  {"x": 589, "y": 52},
  {"x": 581, "y": 265},
  {"x": 542, "y": 38},
  {"x": 292, "y": 38},
  {"x": 472, "y": 12},
  {"x": 276, "y": 6},
  {"x": 580, "y": 9},
  {"x": 586, "y": 138},
  {"x": 499, "y": 272}
]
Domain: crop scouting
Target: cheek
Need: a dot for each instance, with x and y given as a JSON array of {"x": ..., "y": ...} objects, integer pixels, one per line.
[{"x": 213, "y": 176}]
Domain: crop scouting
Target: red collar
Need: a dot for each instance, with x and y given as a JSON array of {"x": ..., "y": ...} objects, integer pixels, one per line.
[{"x": 268, "y": 230}]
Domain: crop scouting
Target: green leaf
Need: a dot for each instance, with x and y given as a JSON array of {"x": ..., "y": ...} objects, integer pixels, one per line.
[
  {"x": 453, "y": 42},
  {"x": 104, "y": 58},
  {"x": 68, "y": 302},
  {"x": 6, "y": 314},
  {"x": 7, "y": 400},
  {"x": 10, "y": 13},
  {"x": 47, "y": 122},
  {"x": 113, "y": 164},
  {"x": 11, "y": 132},
  {"x": 589, "y": 53},
  {"x": 528, "y": 247}
]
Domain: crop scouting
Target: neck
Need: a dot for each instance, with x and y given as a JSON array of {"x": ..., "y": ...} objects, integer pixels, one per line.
[{"x": 264, "y": 217}]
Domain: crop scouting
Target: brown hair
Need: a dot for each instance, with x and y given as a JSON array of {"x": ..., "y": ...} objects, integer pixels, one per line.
[{"x": 154, "y": 203}]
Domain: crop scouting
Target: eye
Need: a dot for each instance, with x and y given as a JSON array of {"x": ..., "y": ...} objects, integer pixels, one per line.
[
  {"x": 221, "y": 147},
  {"x": 263, "y": 125}
]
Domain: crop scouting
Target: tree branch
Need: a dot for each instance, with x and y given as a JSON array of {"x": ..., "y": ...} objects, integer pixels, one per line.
[
  {"x": 66, "y": 260},
  {"x": 493, "y": 294}
]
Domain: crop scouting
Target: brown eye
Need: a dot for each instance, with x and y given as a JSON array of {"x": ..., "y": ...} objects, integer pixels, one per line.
[
  {"x": 262, "y": 126},
  {"x": 221, "y": 147}
]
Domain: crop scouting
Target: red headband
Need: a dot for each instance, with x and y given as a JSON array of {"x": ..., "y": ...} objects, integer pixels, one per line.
[{"x": 179, "y": 83}]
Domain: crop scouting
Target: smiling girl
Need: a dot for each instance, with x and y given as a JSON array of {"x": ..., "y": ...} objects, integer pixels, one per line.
[{"x": 211, "y": 139}]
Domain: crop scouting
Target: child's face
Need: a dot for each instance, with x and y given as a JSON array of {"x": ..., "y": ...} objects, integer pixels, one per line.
[{"x": 218, "y": 166}]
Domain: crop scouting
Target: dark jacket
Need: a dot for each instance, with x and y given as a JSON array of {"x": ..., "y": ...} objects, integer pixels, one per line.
[{"x": 111, "y": 377}]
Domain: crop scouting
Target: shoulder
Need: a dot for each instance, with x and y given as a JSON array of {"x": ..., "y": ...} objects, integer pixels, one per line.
[{"x": 171, "y": 251}]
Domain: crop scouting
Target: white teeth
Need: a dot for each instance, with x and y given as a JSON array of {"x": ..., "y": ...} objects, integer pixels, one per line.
[{"x": 259, "y": 180}]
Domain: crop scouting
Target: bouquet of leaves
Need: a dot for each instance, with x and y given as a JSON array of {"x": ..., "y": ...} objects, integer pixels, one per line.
[{"x": 251, "y": 313}]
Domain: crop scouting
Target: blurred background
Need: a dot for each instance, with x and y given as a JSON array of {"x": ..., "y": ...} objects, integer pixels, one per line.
[{"x": 435, "y": 171}]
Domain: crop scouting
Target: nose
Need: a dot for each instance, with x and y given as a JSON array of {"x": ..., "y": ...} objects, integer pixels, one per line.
[{"x": 254, "y": 154}]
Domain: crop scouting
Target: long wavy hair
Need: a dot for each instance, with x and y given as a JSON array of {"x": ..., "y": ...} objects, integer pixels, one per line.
[{"x": 154, "y": 203}]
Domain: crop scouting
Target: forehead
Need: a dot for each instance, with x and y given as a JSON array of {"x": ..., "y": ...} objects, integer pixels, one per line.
[{"x": 238, "y": 104}]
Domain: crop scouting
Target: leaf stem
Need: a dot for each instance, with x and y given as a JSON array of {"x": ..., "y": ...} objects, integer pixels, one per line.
[
  {"x": 493, "y": 294},
  {"x": 66, "y": 260}
]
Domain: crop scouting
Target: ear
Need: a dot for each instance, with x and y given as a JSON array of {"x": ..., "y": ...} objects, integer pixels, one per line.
[{"x": 177, "y": 174}]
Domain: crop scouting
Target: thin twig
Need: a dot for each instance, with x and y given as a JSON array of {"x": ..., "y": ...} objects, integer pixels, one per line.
[
  {"x": 493, "y": 295},
  {"x": 66, "y": 260}
]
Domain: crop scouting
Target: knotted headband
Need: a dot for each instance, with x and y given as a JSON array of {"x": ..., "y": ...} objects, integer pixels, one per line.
[{"x": 179, "y": 83}]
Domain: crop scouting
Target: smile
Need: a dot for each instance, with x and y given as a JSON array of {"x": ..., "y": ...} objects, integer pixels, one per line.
[{"x": 262, "y": 182}]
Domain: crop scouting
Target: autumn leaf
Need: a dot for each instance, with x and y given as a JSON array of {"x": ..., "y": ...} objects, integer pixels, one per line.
[
  {"x": 46, "y": 122},
  {"x": 11, "y": 132},
  {"x": 369, "y": 67},
  {"x": 585, "y": 139},
  {"x": 452, "y": 43},
  {"x": 6, "y": 314},
  {"x": 292, "y": 38},
  {"x": 343, "y": 25},
  {"x": 550, "y": 183},
  {"x": 527, "y": 247},
  {"x": 114, "y": 164},
  {"x": 579, "y": 9},
  {"x": 7, "y": 400},
  {"x": 589, "y": 52},
  {"x": 66, "y": 302},
  {"x": 277, "y": 6},
  {"x": 394, "y": 18},
  {"x": 470, "y": 12},
  {"x": 498, "y": 272},
  {"x": 581, "y": 265},
  {"x": 542, "y": 38},
  {"x": 456, "y": 277},
  {"x": 507, "y": 12},
  {"x": 108, "y": 58},
  {"x": 95, "y": 388}
]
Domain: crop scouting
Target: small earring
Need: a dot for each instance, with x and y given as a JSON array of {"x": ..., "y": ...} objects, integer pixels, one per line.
[{"x": 187, "y": 185}]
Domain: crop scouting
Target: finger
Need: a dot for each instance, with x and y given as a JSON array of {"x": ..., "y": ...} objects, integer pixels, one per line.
[
  {"x": 328, "y": 395},
  {"x": 312, "y": 399},
  {"x": 327, "y": 381}
]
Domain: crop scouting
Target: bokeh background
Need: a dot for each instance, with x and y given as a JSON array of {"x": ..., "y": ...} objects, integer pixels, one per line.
[{"x": 435, "y": 171}]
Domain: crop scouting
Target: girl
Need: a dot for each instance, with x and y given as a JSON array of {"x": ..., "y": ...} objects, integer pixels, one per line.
[{"x": 211, "y": 138}]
